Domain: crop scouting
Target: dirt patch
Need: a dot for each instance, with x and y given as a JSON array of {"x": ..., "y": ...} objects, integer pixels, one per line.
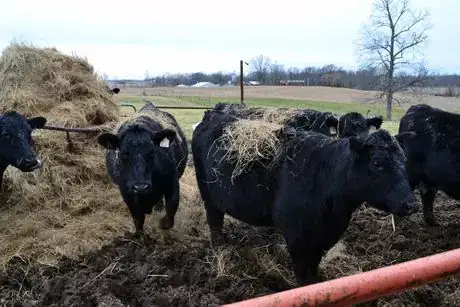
[{"x": 180, "y": 268}]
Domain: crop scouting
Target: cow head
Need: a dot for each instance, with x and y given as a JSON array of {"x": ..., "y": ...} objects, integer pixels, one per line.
[
  {"x": 379, "y": 174},
  {"x": 325, "y": 122},
  {"x": 353, "y": 124},
  {"x": 140, "y": 154},
  {"x": 16, "y": 141}
]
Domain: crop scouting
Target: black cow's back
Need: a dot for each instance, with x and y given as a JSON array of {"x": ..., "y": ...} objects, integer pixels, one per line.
[{"x": 214, "y": 176}]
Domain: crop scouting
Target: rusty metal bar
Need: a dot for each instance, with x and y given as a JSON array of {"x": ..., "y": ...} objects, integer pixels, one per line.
[
  {"x": 365, "y": 286},
  {"x": 81, "y": 130}
]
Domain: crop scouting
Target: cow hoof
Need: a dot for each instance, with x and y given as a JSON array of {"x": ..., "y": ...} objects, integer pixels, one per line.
[
  {"x": 431, "y": 221},
  {"x": 138, "y": 234},
  {"x": 166, "y": 223},
  {"x": 217, "y": 239}
]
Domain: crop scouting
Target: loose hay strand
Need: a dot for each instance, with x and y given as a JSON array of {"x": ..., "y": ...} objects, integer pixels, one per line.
[{"x": 248, "y": 141}]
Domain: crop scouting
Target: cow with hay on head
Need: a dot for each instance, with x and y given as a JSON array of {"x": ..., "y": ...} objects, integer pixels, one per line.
[
  {"x": 16, "y": 142},
  {"x": 146, "y": 157}
]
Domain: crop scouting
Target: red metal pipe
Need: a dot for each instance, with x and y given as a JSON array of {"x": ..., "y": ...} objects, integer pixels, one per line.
[{"x": 365, "y": 286}]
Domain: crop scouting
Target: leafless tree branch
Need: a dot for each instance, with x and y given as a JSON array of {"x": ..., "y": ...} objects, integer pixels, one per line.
[{"x": 391, "y": 43}]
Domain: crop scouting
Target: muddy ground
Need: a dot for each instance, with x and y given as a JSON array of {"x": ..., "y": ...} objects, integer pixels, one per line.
[{"x": 172, "y": 270}]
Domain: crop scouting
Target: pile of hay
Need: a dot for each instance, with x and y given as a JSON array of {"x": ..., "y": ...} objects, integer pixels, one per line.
[
  {"x": 249, "y": 141},
  {"x": 272, "y": 115},
  {"x": 70, "y": 206}
]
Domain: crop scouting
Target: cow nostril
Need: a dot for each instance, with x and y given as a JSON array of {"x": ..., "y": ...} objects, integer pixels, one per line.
[
  {"x": 141, "y": 187},
  {"x": 30, "y": 161}
]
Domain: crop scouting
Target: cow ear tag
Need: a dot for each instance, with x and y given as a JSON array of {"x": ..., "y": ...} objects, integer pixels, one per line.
[{"x": 164, "y": 143}]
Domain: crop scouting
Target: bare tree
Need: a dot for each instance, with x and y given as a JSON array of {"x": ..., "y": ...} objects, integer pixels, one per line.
[
  {"x": 260, "y": 66},
  {"x": 392, "y": 44},
  {"x": 277, "y": 73}
]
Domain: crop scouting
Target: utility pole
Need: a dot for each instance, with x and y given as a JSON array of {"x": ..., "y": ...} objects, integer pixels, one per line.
[{"x": 241, "y": 81}]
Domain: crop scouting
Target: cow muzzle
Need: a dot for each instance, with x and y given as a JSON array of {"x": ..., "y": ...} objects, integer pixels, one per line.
[
  {"x": 141, "y": 187},
  {"x": 406, "y": 208},
  {"x": 30, "y": 164}
]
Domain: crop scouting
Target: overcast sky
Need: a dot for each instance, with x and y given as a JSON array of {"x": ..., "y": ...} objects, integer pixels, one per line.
[{"x": 126, "y": 39}]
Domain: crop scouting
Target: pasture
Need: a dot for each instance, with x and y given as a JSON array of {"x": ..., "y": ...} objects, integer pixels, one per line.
[{"x": 179, "y": 267}]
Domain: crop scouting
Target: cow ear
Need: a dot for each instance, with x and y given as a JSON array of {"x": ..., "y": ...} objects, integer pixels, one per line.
[
  {"x": 195, "y": 125},
  {"x": 116, "y": 90},
  {"x": 403, "y": 136},
  {"x": 285, "y": 133},
  {"x": 164, "y": 138},
  {"x": 108, "y": 140},
  {"x": 375, "y": 122},
  {"x": 356, "y": 144},
  {"x": 36, "y": 122},
  {"x": 332, "y": 122}
]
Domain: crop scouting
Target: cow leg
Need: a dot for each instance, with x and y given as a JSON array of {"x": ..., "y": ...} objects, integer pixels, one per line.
[
  {"x": 138, "y": 219},
  {"x": 139, "y": 222},
  {"x": 215, "y": 219},
  {"x": 428, "y": 195},
  {"x": 159, "y": 206},
  {"x": 305, "y": 259},
  {"x": 2, "y": 171},
  {"x": 172, "y": 204}
]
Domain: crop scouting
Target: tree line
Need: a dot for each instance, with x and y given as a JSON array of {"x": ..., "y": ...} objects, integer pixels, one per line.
[{"x": 328, "y": 75}]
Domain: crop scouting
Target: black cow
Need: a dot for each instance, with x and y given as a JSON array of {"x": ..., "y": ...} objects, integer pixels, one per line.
[
  {"x": 230, "y": 108},
  {"x": 432, "y": 146},
  {"x": 353, "y": 124},
  {"x": 146, "y": 161},
  {"x": 16, "y": 142},
  {"x": 309, "y": 194}
]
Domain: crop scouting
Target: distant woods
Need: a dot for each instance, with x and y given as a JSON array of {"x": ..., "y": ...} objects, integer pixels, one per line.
[{"x": 277, "y": 74}]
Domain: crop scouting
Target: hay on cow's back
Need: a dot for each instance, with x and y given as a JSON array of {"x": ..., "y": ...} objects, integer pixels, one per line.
[
  {"x": 70, "y": 206},
  {"x": 249, "y": 141}
]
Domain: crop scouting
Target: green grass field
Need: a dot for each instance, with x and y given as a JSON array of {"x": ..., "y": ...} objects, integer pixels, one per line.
[{"x": 187, "y": 117}]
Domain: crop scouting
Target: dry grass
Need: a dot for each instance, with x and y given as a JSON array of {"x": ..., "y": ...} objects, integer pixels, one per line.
[
  {"x": 70, "y": 206},
  {"x": 248, "y": 141},
  {"x": 272, "y": 115}
]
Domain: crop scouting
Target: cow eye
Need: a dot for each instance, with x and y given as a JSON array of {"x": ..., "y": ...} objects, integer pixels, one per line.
[
  {"x": 6, "y": 135},
  {"x": 377, "y": 165}
]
